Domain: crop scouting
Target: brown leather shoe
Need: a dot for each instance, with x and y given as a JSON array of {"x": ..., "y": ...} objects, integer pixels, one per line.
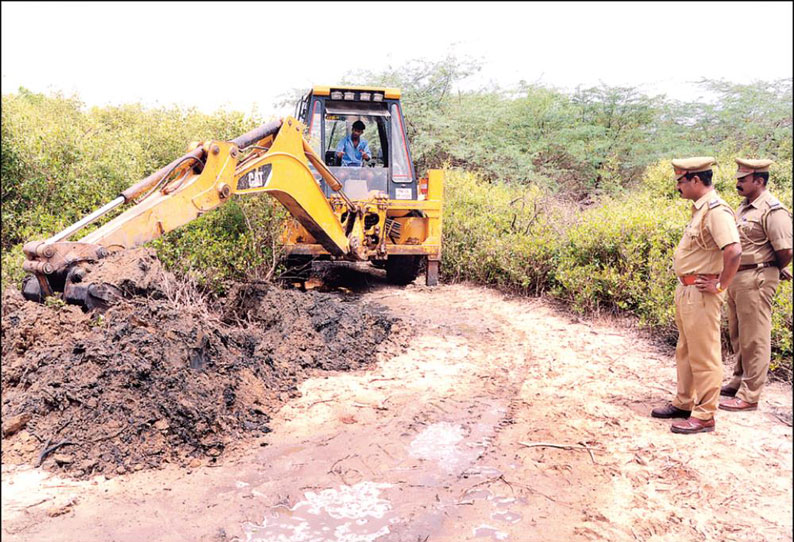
[
  {"x": 735, "y": 405},
  {"x": 693, "y": 425},
  {"x": 670, "y": 411},
  {"x": 727, "y": 391}
]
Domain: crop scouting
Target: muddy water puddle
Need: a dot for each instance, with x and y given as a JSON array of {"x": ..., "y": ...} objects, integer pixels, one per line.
[
  {"x": 453, "y": 447},
  {"x": 354, "y": 513},
  {"x": 506, "y": 517},
  {"x": 502, "y": 515},
  {"x": 361, "y": 513},
  {"x": 486, "y": 531},
  {"x": 441, "y": 443}
]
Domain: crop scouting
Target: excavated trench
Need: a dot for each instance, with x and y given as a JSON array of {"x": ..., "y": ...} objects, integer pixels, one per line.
[{"x": 163, "y": 376}]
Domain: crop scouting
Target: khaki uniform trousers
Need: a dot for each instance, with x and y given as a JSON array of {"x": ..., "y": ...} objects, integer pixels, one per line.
[
  {"x": 750, "y": 327},
  {"x": 698, "y": 354}
]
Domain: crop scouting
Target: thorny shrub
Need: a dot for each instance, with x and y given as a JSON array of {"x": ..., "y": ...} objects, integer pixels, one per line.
[{"x": 613, "y": 256}]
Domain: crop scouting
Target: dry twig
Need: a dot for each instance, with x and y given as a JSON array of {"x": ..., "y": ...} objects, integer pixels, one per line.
[
  {"x": 36, "y": 503},
  {"x": 114, "y": 435},
  {"x": 579, "y": 446},
  {"x": 786, "y": 421},
  {"x": 331, "y": 470},
  {"x": 318, "y": 402},
  {"x": 49, "y": 449}
]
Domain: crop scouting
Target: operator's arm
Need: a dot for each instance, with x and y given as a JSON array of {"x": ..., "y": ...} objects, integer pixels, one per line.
[
  {"x": 366, "y": 154},
  {"x": 340, "y": 148}
]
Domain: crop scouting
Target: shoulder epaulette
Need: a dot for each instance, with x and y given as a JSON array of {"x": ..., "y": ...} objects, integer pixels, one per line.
[
  {"x": 715, "y": 203},
  {"x": 773, "y": 204}
]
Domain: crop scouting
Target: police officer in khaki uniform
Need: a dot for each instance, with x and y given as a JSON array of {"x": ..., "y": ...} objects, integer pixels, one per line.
[
  {"x": 705, "y": 262},
  {"x": 765, "y": 233}
]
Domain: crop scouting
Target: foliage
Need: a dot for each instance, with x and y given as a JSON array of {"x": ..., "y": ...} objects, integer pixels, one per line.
[
  {"x": 238, "y": 241},
  {"x": 567, "y": 193},
  {"x": 781, "y": 330},
  {"x": 753, "y": 117},
  {"x": 614, "y": 256},
  {"x": 61, "y": 161},
  {"x": 11, "y": 266},
  {"x": 593, "y": 141},
  {"x": 498, "y": 233}
]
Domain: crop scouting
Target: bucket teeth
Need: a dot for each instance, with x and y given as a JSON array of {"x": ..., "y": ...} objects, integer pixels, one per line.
[
  {"x": 87, "y": 295},
  {"x": 31, "y": 290}
]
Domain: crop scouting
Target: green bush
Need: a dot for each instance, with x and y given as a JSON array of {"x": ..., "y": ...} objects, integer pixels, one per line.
[
  {"x": 497, "y": 233},
  {"x": 615, "y": 256},
  {"x": 11, "y": 269},
  {"x": 239, "y": 241},
  {"x": 570, "y": 194},
  {"x": 61, "y": 161},
  {"x": 781, "y": 330},
  {"x": 616, "y": 252}
]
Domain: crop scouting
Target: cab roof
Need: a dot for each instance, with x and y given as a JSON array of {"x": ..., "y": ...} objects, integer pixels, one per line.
[{"x": 388, "y": 93}]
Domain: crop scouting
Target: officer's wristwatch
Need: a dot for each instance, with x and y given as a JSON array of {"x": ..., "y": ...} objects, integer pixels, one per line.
[{"x": 719, "y": 287}]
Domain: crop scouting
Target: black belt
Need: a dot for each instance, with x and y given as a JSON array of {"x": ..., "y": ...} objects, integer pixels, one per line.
[{"x": 757, "y": 265}]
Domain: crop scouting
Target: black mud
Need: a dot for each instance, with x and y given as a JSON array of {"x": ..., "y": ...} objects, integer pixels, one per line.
[{"x": 162, "y": 376}]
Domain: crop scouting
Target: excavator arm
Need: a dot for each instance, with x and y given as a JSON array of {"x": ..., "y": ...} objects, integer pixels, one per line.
[{"x": 273, "y": 158}]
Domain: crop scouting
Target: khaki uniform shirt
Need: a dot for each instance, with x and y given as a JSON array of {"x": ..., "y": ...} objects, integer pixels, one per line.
[
  {"x": 764, "y": 227},
  {"x": 711, "y": 228}
]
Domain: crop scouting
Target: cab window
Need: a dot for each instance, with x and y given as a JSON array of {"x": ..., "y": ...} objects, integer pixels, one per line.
[
  {"x": 401, "y": 164},
  {"x": 337, "y": 127}
]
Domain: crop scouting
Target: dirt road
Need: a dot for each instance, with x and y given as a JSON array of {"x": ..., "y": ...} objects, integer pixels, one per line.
[{"x": 504, "y": 419}]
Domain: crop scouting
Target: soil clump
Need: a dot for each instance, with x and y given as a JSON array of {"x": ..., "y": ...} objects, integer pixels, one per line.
[{"x": 164, "y": 376}]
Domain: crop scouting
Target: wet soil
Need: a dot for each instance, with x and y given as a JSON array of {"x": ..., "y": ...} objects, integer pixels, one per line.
[
  {"x": 162, "y": 376},
  {"x": 503, "y": 418}
]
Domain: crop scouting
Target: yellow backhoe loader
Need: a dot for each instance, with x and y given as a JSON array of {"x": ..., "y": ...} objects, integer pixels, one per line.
[{"x": 376, "y": 211}]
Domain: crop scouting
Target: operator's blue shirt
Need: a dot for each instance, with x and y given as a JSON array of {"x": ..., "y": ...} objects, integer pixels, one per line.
[{"x": 353, "y": 154}]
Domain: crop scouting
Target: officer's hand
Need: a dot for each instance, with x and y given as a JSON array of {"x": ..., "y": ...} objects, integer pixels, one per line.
[{"x": 706, "y": 285}]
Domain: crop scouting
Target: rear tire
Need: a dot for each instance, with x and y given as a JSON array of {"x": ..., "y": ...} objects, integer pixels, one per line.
[{"x": 402, "y": 270}]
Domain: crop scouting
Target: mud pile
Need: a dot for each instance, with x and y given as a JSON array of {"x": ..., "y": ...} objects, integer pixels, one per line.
[{"x": 161, "y": 377}]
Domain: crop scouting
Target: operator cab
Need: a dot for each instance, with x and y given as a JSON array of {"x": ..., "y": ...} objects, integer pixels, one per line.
[{"x": 329, "y": 114}]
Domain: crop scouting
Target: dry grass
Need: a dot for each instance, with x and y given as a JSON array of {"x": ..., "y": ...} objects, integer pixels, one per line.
[{"x": 184, "y": 294}]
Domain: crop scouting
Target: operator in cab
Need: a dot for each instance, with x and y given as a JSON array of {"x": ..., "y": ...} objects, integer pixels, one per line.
[{"x": 354, "y": 149}]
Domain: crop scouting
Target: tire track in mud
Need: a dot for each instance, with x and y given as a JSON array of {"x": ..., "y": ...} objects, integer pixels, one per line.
[
  {"x": 411, "y": 430},
  {"x": 441, "y": 404}
]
